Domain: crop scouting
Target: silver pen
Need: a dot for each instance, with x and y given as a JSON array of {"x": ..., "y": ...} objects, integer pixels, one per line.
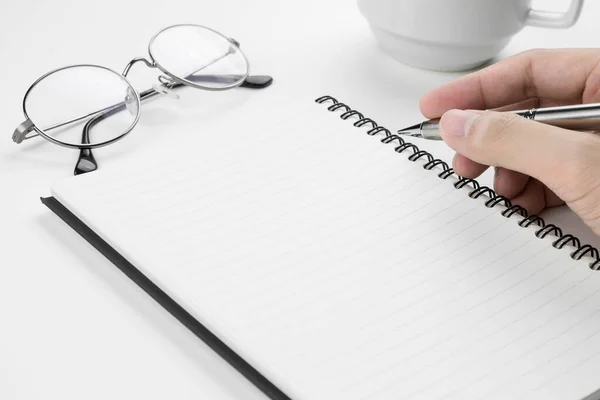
[{"x": 585, "y": 117}]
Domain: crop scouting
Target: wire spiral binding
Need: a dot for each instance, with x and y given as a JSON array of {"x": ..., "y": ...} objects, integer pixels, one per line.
[{"x": 562, "y": 239}]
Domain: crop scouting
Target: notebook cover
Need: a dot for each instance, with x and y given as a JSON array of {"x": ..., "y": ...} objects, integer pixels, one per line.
[{"x": 165, "y": 301}]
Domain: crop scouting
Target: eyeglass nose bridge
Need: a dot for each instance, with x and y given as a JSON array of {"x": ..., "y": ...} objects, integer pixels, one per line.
[{"x": 150, "y": 64}]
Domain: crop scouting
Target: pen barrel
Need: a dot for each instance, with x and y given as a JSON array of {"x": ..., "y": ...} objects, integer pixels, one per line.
[
  {"x": 580, "y": 118},
  {"x": 430, "y": 130}
]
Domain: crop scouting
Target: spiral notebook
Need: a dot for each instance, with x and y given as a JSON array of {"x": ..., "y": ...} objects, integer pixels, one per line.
[{"x": 325, "y": 257}]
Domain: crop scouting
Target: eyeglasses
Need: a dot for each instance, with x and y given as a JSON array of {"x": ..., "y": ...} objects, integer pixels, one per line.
[{"x": 57, "y": 104}]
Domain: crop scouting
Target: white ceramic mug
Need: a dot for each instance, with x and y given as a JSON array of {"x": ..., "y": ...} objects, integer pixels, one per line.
[{"x": 455, "y": 35}]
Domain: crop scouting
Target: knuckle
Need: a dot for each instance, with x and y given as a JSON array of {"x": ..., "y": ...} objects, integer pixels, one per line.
[
  {"x": 533, "y": 51},
  {"x": 491, "y": 129}
]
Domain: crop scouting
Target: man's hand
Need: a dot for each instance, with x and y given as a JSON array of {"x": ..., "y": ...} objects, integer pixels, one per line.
[{"x": 536, "y": 165}]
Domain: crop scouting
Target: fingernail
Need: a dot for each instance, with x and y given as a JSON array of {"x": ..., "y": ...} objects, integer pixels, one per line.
[{"x": 457, "y": 122}]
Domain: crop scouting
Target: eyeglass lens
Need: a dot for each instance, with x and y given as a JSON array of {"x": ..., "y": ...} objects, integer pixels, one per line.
[
  {"x": 65, "y": 100},
  {"x": 199, "y": 57}
]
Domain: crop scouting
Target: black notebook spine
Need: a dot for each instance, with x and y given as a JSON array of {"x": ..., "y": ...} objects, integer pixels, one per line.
[
  {"x": 170, "y": 305},
  {"x": 477, "y": 190}
]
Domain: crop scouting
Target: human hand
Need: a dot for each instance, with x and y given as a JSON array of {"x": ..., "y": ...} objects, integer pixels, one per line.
[{"x": 536, "y": 165}]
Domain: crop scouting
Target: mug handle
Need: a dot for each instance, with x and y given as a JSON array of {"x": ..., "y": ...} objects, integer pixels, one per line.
[{"x": 549, "y": 19}]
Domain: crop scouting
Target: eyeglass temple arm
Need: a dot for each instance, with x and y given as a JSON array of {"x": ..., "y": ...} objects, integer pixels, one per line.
[
  {"x": 86, "y": 161},
  {"x": 252, "y": 82},
  {"x": 27, "y": 127}
]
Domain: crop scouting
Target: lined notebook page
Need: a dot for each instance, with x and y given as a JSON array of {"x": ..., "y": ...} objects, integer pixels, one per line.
[{"x": 341, "y": 270}]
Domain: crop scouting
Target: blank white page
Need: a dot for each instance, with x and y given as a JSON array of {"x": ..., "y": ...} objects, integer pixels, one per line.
[{"x": 341, "y": 270}]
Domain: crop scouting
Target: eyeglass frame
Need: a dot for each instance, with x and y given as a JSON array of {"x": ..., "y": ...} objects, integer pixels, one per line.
[{"x": 171, "y": 81}]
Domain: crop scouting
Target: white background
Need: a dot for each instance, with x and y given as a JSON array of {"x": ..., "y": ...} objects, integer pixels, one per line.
[{"x": 71, "y": 325}]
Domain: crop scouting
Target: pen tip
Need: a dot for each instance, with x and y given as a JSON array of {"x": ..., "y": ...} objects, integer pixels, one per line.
[{"x": 414, "y": 130}]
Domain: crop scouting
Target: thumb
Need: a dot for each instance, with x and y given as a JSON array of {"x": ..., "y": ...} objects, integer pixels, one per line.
[{"x": 565, "y": 161}]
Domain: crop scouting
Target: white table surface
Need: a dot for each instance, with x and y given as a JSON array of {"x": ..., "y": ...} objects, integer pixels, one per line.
[{"x": 72, "y": 326}]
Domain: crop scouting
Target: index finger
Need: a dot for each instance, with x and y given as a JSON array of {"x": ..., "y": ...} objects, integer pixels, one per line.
[{"x": 557, "y": 76}]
